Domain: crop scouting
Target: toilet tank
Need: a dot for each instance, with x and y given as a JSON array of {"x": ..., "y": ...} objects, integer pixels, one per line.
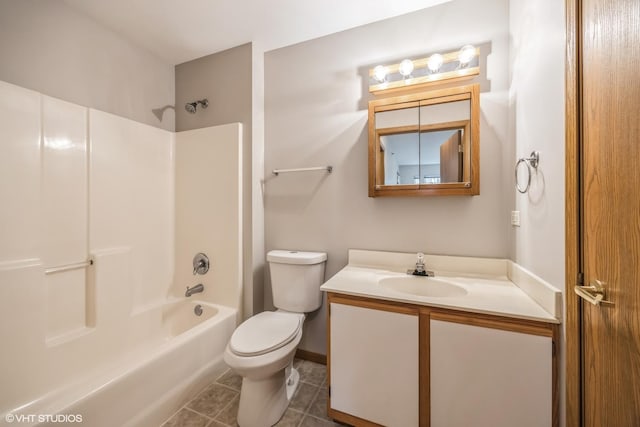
[{"x": 296, "y": 278}]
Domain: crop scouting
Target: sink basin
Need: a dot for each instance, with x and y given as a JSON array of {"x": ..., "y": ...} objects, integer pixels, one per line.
[{"x": 423, "y": 286}]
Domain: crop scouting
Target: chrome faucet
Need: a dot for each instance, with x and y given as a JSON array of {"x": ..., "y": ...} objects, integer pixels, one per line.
[
  {"x": 200, "y": 264},
  {"x": 195, "y": 290},
  {"x": 420, "y": 269}
]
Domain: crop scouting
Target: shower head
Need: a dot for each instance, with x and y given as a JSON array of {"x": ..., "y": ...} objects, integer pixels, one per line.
[{"x": 192, "y": 106}]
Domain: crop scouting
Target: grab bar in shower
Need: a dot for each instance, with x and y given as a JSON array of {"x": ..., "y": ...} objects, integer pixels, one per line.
[
  {"x": 318, "y": 168},
  {"x": 68, "y": 267}
]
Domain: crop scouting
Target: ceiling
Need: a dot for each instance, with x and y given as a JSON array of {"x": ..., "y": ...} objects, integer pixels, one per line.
[{"x": 179, "y": 31}]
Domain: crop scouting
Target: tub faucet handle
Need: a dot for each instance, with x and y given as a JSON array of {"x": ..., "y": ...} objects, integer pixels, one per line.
[
  {"x": 200, "y": 263},
  {"x": 198, "y": 267}
]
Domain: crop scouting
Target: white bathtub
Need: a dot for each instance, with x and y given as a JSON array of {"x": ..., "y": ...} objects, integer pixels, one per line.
[{"x": 145, "y": 388}]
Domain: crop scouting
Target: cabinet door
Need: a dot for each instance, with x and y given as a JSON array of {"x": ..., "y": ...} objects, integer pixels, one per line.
[
  {"x": 374, "y": 364},
  {"x": 486, "y": 377}
]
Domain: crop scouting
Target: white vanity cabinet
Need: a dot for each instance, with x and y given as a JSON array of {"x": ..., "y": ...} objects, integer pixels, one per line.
[
  {"x": 398, "y": 364},
  {"x": 373, "y": 362},
  {"x": 481, "y": 375}
]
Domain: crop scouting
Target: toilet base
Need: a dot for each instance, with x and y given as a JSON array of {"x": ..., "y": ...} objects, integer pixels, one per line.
[{"x": 263, "y": 401}]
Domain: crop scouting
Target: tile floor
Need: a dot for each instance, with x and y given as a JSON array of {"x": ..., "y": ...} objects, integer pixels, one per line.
[{"x": 217, "y": 404}]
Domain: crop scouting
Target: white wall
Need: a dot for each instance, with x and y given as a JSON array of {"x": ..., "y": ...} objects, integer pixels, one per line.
[
  {"x": 74, "y": 183},
  {"x": 50, "y": 47},
  {"x": 209, "y": 212},
  {"x": 65, "y": 217},
  {"x": 316, "y": 114},
  {"x": 131, "y": 201},
  {"x": 21, "y": 270},
  {"x": 536, "y": 122}
]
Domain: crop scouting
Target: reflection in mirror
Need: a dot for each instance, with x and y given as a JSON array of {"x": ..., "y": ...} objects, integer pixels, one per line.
[
  {"x": 431, "y": 152},
  {"x": 398, "y": 141},
  {"x": 399, "y": 152},
  {"x": 430, "y": 157},
  {"x": 441, "y": 156},
  {"x": 423, "y": 144}
]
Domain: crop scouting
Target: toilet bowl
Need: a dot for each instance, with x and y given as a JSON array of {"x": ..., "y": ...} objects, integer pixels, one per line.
[{"x": 262, "y": 348}]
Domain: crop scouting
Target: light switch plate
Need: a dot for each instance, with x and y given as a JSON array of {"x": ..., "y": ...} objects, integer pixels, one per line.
[{"x": 515, "y": 218}]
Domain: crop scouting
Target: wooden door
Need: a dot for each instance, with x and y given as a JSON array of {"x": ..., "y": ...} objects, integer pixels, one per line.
[
  {"x": 451, "y": 159},
  {"x": 608, "y": 118}
]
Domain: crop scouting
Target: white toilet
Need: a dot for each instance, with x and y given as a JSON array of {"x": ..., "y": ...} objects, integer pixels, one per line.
[{"x": 262, "y": 348}]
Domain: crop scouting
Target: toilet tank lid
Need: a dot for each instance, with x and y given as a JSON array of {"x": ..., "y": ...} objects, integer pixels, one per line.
[{"x": 296, "y": 257}]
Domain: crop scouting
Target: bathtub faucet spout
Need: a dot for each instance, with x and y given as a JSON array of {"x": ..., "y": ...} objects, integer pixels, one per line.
[{"x": 195, "y": 290}]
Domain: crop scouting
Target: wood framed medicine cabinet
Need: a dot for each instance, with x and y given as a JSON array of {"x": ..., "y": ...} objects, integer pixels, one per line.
[{"x": 425, "y": 144}]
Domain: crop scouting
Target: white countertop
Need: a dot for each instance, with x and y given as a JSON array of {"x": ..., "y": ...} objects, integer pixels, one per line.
[{"x": 488, "y": 292}]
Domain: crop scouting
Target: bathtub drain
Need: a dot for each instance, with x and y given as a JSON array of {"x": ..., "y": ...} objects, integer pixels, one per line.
[{"x": 198, "y": 310}]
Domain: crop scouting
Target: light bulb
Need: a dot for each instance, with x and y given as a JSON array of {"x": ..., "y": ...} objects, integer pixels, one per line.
[
  {"x": 380, "y": 73},
  {"x": 406, "y": 67},
  {"x": 466, "y": 54},
  {"x": 434, "y": 62}
]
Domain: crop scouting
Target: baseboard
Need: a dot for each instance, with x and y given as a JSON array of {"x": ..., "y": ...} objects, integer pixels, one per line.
[{"x": 311, "y": 356}]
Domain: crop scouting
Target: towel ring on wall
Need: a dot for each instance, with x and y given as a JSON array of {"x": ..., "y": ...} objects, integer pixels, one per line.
[{"x": 531, "y": 162}]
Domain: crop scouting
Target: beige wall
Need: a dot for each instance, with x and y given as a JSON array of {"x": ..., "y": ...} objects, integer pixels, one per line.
[
  {"x": 256, "y": 289},
  {"x": 49, "y": 47},
  {"x": 316, "y": 114},
  {"x": 536, "y": 122},
  {"x": 226, "y": 80}
]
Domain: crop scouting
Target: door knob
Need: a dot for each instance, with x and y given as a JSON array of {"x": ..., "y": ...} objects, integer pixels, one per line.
[{"x": 594, "y": 293}]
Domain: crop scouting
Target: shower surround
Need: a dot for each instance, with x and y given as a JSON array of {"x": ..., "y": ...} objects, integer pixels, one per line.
[{"x": 77, "y": 184}]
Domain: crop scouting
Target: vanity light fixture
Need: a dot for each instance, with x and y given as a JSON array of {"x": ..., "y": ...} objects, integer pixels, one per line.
[
  {"x": 380, "y": 73},
  {"x": 434, "y": 62},
  {"x": 456, "y": 65},
  {"x": 405, "y": 68},
  {"x": 466, "y": 54}
]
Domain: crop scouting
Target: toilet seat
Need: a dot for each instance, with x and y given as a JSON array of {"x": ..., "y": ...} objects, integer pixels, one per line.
[{"x": 265, "y": 332}]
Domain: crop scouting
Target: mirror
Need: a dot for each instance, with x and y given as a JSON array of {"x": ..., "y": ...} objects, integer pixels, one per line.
[{"x": 425, "y": 144}]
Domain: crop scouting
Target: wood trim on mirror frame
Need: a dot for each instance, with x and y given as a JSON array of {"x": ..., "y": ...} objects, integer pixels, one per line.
[{"x": 471, "y": 184}]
